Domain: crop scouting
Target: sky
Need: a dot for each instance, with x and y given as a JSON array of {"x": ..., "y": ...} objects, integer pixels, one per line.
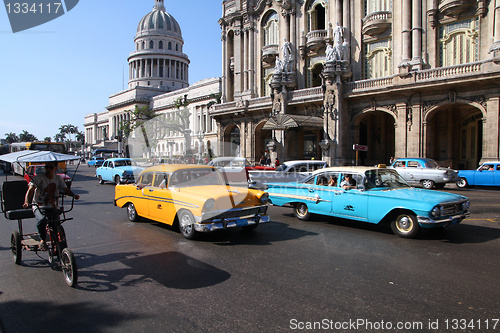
[{"x": 56, "y": 73}]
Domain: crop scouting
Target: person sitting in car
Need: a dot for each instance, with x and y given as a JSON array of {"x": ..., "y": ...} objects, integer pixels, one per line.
[{"x": 348, "y": 182}]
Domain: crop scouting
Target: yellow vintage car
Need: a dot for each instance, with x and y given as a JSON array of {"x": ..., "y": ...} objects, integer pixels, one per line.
[{"x": 193, "y": 196}]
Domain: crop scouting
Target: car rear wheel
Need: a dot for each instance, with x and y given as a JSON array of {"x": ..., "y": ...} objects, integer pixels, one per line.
[
  {"x": 132, "y": 213},
  {"x": 301, "y": 211},
  {"x": 405, "y": 225},
  {"x": 462, "y": 183},
  {"x": 186, "y": 224},
  {"x": 117, "y": 180},
  {"x": 427, "y": 183}
]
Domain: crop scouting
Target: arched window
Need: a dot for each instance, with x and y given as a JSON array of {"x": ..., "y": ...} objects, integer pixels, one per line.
[
  {"x": 271, "y": 29},
  {"x": 160, "y": 45},
  {"x": 151, "y": 44},
  {"x": 378, "y": 60},
  {"x": 316, "y": 14},
  {"x": 169, "y": 45},
  {"x": 459, "y": 42},
  {"x": 177, "y": 47}
]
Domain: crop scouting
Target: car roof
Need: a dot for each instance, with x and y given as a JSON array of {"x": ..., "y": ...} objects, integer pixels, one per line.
[
  {"x": 414, "y": 159},
  {"x": 349, "y": 169},
  {"x": 118, "y": 159},
  {"x": 168, "y": 168},
  {"x": 490, "y": 162}
]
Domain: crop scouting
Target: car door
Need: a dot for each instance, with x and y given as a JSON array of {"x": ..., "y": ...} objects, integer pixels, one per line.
[
  {"x": 107, "y": 171},
  {"x": 321, "y": 194},
  {"x": 353, "y": 203},
  {"x": 160, "y": 205},
  {"x": 486, "y": 175}
]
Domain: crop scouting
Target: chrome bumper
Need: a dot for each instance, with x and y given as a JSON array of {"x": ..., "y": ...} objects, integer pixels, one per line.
[
  {"x": 444, "y": 220},
  {"x": 237, "y": 217}
]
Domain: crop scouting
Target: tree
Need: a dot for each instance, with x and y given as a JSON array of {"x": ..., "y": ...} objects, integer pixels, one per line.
[
  {"x": 47, "y": 139},
  {"x": 67, "y": 130},
  {"x": 25, "y": 136},
  {"x": 11, "y": 137}
]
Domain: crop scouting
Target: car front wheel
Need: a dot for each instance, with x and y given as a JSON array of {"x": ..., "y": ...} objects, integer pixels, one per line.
[
  {"x": 117, "y": 180},
  {"x": 301, "y": 211},
  {"x": 405, "y": 225},
  {"x": 462, "y": 183},
  {"x": 186, "y": 224},
  {"x": 132, "y": 213},
  {"x": 427, "y": 183}
]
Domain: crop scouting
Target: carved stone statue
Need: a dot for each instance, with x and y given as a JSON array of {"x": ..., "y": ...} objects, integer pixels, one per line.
[{"x": 286, "y": 50}]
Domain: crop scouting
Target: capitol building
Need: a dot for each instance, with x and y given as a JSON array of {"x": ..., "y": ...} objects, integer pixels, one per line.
[{"x": 336, "y": 80}]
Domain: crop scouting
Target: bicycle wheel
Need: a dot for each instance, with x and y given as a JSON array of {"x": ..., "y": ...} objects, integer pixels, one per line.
[
  {"x": 15, "y": 246},
  {"x": 68, "y": 267}
]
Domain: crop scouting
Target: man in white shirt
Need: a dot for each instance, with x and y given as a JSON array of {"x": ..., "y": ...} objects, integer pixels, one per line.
[{"x": 43, "y": 193}]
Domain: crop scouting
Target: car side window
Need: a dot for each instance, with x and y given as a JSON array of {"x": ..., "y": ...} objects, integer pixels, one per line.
[
  {"x": 498, "y": 167},
  {"x": 159, "y": 177},
  {"x": 399, "y": 164},
  {"x": 413, "y": 164},
  {"x": 105, "y": 164}
]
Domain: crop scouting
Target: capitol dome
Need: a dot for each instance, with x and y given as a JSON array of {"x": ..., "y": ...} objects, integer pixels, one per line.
[
  {"x": 159, "y": 22},
  {"x": 158, "y": 60}
]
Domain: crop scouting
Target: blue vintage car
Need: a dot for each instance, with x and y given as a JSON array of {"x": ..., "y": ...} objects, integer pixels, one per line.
[
  {"x": 373, "y": 195},
  {"x": 488, "y": 174},
  {"x": 118, "y": 170},
  {"x": 95, "y": 161}
]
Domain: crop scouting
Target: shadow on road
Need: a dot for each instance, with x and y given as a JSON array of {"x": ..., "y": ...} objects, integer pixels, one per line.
[
  {"x": 171, "y": 269},
  {"x": 19, "y": 316}
]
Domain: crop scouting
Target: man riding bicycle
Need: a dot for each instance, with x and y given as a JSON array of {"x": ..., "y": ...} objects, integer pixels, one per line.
[{"x": 43, "y": 192}]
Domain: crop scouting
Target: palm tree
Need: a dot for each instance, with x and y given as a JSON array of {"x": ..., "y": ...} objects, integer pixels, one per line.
[{"x": 11, "y": 137}]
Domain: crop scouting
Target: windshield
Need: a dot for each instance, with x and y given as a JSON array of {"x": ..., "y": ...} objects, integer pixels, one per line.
[
  {"x": 121, "y": 163},
  {"x": 196, "y": 177},
  {"x": 384, "y": 179}
]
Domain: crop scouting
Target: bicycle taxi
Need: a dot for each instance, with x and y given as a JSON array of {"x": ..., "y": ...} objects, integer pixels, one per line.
[{"x": 12, "y": 198}]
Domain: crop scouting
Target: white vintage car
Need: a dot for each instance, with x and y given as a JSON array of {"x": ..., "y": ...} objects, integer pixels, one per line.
[{"x": 424, "y": 171}]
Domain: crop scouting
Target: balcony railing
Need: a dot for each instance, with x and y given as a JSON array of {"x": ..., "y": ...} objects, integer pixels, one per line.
[
  {"x": 376, "y": 23},
  {"x": 316, "y": 39}
]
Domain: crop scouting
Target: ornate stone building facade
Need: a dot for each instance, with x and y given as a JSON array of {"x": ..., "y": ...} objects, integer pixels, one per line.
[
  {"x": 158, "y": 77},
  {"x": 312, "y": 78}
]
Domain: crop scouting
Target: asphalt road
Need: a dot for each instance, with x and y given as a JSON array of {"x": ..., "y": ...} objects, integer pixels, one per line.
[{"x": 286, "y": 276}]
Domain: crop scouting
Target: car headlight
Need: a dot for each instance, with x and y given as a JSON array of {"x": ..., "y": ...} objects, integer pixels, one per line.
[
  {"x": 209, "y": 205},
  {"x": 264, "y": 198},
  {"x": 436, "y": 212}
]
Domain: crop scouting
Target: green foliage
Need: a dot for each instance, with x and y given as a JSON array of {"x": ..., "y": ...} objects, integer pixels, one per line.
[{"x": 11, "y": 137}]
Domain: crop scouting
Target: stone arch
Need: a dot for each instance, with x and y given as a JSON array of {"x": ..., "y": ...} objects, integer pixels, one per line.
[
  {"x": 231, "y": 140},
  {"x": 375, "y": 128},
  {"x": 453, "y": 133},
  {"x": 262, "y": 138}
]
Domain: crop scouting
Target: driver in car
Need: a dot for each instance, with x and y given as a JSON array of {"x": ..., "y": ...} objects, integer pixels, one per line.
[{"x": 43, "y": 192}]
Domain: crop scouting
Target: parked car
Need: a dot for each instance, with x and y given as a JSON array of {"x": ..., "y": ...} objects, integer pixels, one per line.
[
  {"x": 488, "y": 174},
  {"x": 193, "y": 196},
  {"x": 233, "y": 169},
  {"x": 424, "y": 171},
  {"x": 290, "y": 171},
  {"x": 118, "y": 170},
  {"x": 95, "y": 161},
  {"x": 34, "y": 170},
  {"x": 378, "y": 195}
]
